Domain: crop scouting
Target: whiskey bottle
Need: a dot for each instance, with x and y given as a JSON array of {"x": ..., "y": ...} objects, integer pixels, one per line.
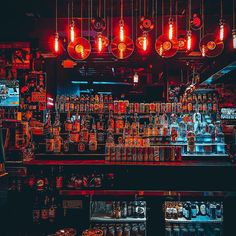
[
  {"x": 82, "y": 104},
  {"x": 77, "y": 102},
  {"x": 76, "y": 123},
  {"x": 84, "y": 134},
  {"x": 72, "y": 103},
  {"x": 93, "y": 138},
  {"x": 101, "y": 130},
  {"x": 68, "y": 123},
  {"x": 62, "y": 103},
  {"x": 57, "y": 125},
  {"x": 67, "y": 103},
  {"x": 110, "y": 104},
  {"x": 49, "y": 135},
  {"x": 91, "y": 104}
]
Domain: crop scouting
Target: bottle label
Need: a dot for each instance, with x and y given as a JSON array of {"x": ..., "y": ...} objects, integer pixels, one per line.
[
  {"x": 57, "y": 146},
  {"x": 40, "y": 184},
  {"x": 203, "y": 209},
  {"x": 52, "y": 213},
  {"x": 36, "y": 215},
  {"x": 44, "y": 214},
  {"x": 49, "y": 145},
  {"x": 59, "y": 182},
  {"x": 81, "y": 147},
  {"x": 68, "y": 126}
]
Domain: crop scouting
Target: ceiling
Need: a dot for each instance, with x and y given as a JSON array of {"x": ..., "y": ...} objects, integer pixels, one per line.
[{"x": 34, "y": 20}]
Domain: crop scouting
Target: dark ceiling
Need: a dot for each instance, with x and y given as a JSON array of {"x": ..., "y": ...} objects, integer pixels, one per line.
[{"x": 34, "y": 21}]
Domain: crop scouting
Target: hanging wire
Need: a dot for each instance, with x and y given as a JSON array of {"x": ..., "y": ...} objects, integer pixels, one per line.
[
  {"x": 111, "y": 19},
  {"x": 108, "y": 25},
  {"x": 203, "y": 19},
  {"x": 189, "y": 14},
  {"x": 68, "y": 15},
  {"x": 121, "y": 9},
  {"x": 99, "y": 8},
  {"x": 81, "y": 15},
  {"x": 233, "y": 14},
  {"x": 56, "y": 16},
  {"x": 72, "y": 11},
  {"x": 145, "y": 8},
  {"x": 104, "y": 10},
  {"x": 153, "y": 8},
  {"x": 162, "y": 17},
  {"x": 170, "y": 8},
  {"x": 89, "y": 20},
  {"x": 140, "y": 8},
  {"x": 132, "y": 17},
  {"x": 136, "y": 20},
  {"x": 221, "y": 9},
  {"x": 176, "y": 17},
  {"x": 156, "y": 15}
]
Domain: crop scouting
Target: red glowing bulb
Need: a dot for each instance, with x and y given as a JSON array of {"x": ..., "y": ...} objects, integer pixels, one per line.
[
  {"x": 56, "y": 43},
  {"x": 189, "y": 40},
  {"x": 170, "y": 29},
  {"x": 234, "y": 38},
  {"x": 203, "y": 50},
  {"x": 99, "y": 43},
  {"x": 72, "y": 33},
  {"x": 144, "y": 43},
  {"x": 221, "y": 31},
  {"x": 121, "y": 33}
]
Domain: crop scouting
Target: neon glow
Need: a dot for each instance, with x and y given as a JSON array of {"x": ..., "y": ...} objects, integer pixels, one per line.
[
  {"x": 203, "y": 50},
  {"x": 56, "y": 43},
  {"x": 122, "y": 34},
  {"x": 189, "y": 40},
  {"x": 234, "y": 39},
  {"x": 170, "y": 29},
  {"x": 144, "y": 43},
  {"x": 99, "y": 43},
  {"x": 221, "y": 32},
  {"x": 161, "y": 50},
  {"x": 136, "y": 78},
  {"x": 72, "y": 33}
]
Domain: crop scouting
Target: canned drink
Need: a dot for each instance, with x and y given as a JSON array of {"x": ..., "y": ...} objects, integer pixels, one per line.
[
  {"x": 168, "y": 107},
  {"x": 158, "y": 107},
  {"x": 152, "y": 107},
  {"x": 163, "y": 107},
  {"x": 136, "y": 107},
  {"x": 142, "y": 108}
]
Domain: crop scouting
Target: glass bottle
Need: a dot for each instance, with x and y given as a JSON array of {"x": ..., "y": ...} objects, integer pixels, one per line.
[
  {"x": 67, "y": 103},
  {"x": 93, "y": 138},
  {"x": 68, "y": 123}
]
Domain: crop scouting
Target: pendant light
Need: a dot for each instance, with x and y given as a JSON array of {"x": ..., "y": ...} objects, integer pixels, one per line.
[
  {"x": 56, "y": 39},
  {"x": 72, "y": 25},
  {"x": 234, "y": 30},
  {"x": 221, "y": 22},
  {"x": 202, "y": 31},
  {"x": 189, "y": 33},
  {"x": 170, "y": 23}
]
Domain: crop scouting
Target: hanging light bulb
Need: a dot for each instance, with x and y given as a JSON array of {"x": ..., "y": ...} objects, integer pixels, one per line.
[
  {"x": 221, "y": 30},
  {"x": 234, "y": 38},
  {"x": 72, "y": 32},
  {"x": 203, "y": 50},
  {"x": 161, "y": 50},
  {"x": 135, "y": 78},
  {"x": 170, "y": 28},
  {"x": 122, "y": 33},
  {"x": 56, "y": 43},
  {"x": 144, "y": 42},
  {"x": 99, "y": 43},
  {"x": 189, "y": 40}
]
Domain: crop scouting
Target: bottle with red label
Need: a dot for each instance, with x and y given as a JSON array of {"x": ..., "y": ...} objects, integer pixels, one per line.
[{"x": 59, "y": 178}]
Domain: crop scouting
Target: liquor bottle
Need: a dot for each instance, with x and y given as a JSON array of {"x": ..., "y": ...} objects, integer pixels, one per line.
[
  {"x": 66, "y": 144},
  {"x": 91, "y": 104},
  {"x": 188, "y": 211},
  {"x": 110, "y": 147},
  {"x": 193, "y": 210},
  {"x": 74, "y": 134},
  {"x": 57, "y": 125},
  {"x": 62, "y": 104},
  {"x": 52, "y": 211},
  {"x": 82, "y": 104},
  {"x": 36, "y": 211},
  {"x": 214, "y": 103},
  {"x": 189, "y": 104},
  {"x": 174, "y": 128},
  {"x": 76, "y": 123},
  {"x": 49, "y": 135},
  {"x": 111, "y": 122},
  {"x": 101, "y": 104},
  {"x": 111, "y": 103},
  {"x": 101, "y": 130},
  {"x": 96, "y": 103},
  {"x": 67, "y": 103},
  {"x": 200, "y": 103},
  {"x": 59, "y": 178},
  {"x": 119, "y": 149},
  {"x": 202, "y": 209},
  {"x": 124, "y": 210},
  {"x": 77, "y": 102},
  {"x": 57, "y": 144},
  {"x": 87, "y": 104},
  {"x": 72, "y": 103},
  {"x": 209, "y": 103},
  {"x": 184, "y": 105},
  {"x": 118, "y": 210},
  {"x": 194, "y": 102},
  {"x": 57, "y": 104},
  {"x": 106, "y": 102},
  {"x": 84, "y": 134},
  {"x": 68, "y": 123},
  {"x": 93, "y": 146},
  {"x": 44, "y": 210},
  {"x": 204, "y": 103}
]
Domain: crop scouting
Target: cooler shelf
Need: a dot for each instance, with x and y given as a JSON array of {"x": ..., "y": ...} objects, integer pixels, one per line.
[{"x": 107, "y": 219}]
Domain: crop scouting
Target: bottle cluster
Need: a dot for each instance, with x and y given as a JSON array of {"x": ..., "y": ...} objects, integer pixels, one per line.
[
  {"x": 192, "y": 210},
  {"x": 119, "y": 210},
  {"x": 121, "y": 229},
  {"x": 207, "y": 102},
  {"x": 193, "y": 229}
]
